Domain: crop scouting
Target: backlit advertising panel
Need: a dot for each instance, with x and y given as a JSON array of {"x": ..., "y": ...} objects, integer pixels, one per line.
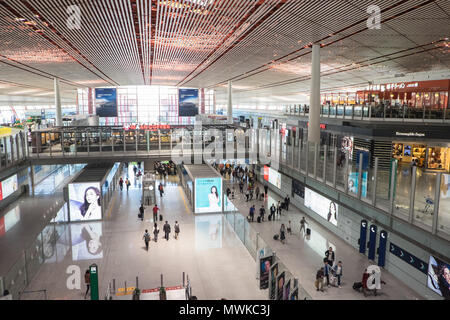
[
  {"x": 188, "y": 102},
  {"x": 106, "y": 102},
  {"x": 208, "y": 195},
  {"x": 275, "y": 178},
  {"x": 439, "y": 277},
  {"x": 8, "y": 186},
  {"x": 264, "y": 271},
  {"x": 326, "y": 208},
  {"x": 84, "y": 201}
]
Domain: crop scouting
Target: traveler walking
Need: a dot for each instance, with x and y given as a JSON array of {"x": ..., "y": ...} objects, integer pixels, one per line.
[
  {"x": 127, "y": 183},
  {"x": 257, "y": 192},
  {"x": 161, "y": 190},
  {"x": 135, "y": 170},
  {"x": 319, "y": 279},
  {"x": 176, "y": 227},
  {"x": 282, "y": 233},
  {"x": 289, "y": 230},
  {"x": 155, "y": 232},
  {"x": 121, "y": 184},
  {"x": 252, "y": 212},
  {"x": 141, "y": 211},
  {"x": 146, "y": 238},
  {"x": 241, "y": 186},
  {"x": 247, "y": 194},
  {"x": 155, "y": 213},
  {"x": 329, "y": 255},
  {"x": 337, "y": 269},
  {"x": 266, "y": 188},
  {"x": 279, "y": 209},
  {"x": 326, "y": 271},
  {"x": 302, "y": 224},
  {"x": 87, "y": 281},
  {"x": 287, "y": 201},
  {"x": 166, "y": 229}
]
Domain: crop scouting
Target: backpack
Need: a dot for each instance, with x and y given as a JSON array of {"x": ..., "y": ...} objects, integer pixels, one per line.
[
  {"x": 147, "y": 237},
  {"x": 177, "y": 228}
]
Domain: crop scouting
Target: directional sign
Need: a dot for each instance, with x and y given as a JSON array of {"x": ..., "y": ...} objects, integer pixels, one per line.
[
  {"x": 363, "y": 237},
  {"x": 372, "y": 241},
  {"x": 382, "y": 248},
  {"x": 412, "y": 260}
]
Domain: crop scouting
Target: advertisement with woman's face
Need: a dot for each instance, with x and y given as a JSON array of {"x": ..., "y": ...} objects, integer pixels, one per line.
[
  {"x": 326, "y": 208},
  {"x": 208, "y": 195},
  {"x": 87, "y": 241},
  {"x": 85, "y": 202},
  {"x": 439, "y": 277}
]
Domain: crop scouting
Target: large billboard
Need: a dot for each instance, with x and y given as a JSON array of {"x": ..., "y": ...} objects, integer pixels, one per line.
[
  {"x": 264, "y": 271},
  {"x": 8, "y": 186},
  {"x": 187, "y": 102},
  {"x": 439, "y": 277},
  {"x": 85, "y": 201},
  {"x": 208, "y": 195},
  {"x": 273, "y": 176},
  {"x": 326, "y": 208},
  {"x": 106, "y": 102}
]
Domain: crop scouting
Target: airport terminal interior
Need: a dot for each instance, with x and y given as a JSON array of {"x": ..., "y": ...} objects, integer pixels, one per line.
[{"x": 224, "y": 150}]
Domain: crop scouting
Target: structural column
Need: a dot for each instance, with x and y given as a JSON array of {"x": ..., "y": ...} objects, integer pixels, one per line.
[
  {"x": 229, "y": 105},
  {"x": 58, "y": 103},
  {"x": 214, "y": 101},
  {"x": 314, "y": 104}
]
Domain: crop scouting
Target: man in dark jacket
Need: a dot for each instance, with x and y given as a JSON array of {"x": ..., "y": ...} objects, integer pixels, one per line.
[
  {"x": 166, "y": 229},
  {"x": 329, "y": 254},
  {"x": 319, "y": 279},
  {"x": 141, "y": 211}
]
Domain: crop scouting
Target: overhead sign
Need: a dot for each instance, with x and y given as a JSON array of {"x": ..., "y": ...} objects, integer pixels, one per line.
[
  {"x": 106, "y": 102},
  {"x": 421, "y": 265},
  {"x": 187, "y": 102}
]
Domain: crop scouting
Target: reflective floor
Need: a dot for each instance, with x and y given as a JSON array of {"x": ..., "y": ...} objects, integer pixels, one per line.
[
  {"x": 208, "y": 251},
  {"x": 303, "y": 257}
]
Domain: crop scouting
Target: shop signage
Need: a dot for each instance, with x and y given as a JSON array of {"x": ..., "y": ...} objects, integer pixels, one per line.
[
  {"x": 148, "y": 127},
  {"x": 410, "y": 134},
  {"x": 323, "y": 126},
  {"x": 422, "y": 266}
]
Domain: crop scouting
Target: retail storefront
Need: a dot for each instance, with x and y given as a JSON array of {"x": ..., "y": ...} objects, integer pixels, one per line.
[{"x": 426, "y": 155}]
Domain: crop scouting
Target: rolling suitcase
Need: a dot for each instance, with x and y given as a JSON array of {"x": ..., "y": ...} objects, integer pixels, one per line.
[
  {"x": 139, "y": 216},
  {"x": 308, "y": 231},
  {"x": 258, "y": 219},
  {"x": 270, "y": 217},
  {"x": 275, "y": 237},
  {"x": 160, "y": 217}
]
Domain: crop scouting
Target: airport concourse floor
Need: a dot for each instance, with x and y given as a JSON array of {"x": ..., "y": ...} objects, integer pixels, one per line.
[
  {"x": 303, "y": 257},
  {"x": 208, "y": 251}
]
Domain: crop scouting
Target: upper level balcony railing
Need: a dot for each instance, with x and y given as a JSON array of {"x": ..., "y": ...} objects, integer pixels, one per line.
[{"x": 380, "y": 112}]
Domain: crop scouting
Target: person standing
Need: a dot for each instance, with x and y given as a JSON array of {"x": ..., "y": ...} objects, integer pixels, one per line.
[
  {"x": 257, "y": 192},
  {"x": 146, "y": 238},
  {"x": 177, "y": 229},
  {"x": 319, "y": 279},
  {"x": 161, "y": 190},
  {"x": 252, "y": 212},
  {"x": 241, "y": 186},
  {"x": 121, "y": 184},
  {"x": 266, "y": 189},
  {"x": 288, "y": 202},
  {"x": 289, "y": 230},
  {"x": 155, "y": 232},
  {"x": 279, "y": 209},
  {"x": 282, "y": 233},
  {"x": 87, "y": 281},
  {"x": 134, "y": 170},
  {"x": 272, "y": 211},
  {"x": 329, "y": 255},
  {"x": 141, "y": 211},
  {"x": 262, "y": 211},
  {"x": 127, "y": 183},
  {"x": 302, "y": 224},
  {"x": 166, "y": 229},
  {"x": 247, "y": 194},
  {"x": 338, "y": 272},
  {"x": 155, "y": 213}
]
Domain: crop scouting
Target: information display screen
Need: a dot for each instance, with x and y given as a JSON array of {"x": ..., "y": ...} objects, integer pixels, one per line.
[
  {"x": 85, "y": 201},
  {"x": 326, "y": 208},
  {"x": 8, "y": 186},
  {"x": 87, "y": 242},
  {"x": 439, "y": 277},
  {"x": 208, "y": 195}
]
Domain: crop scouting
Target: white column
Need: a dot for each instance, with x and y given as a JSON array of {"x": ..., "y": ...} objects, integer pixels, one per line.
[
  {"x": 58, "y": 103},
  {"x": 229, "y": 105},
  {"x": 314, "y": 103},
  {"x": 214, "y": 101}
]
